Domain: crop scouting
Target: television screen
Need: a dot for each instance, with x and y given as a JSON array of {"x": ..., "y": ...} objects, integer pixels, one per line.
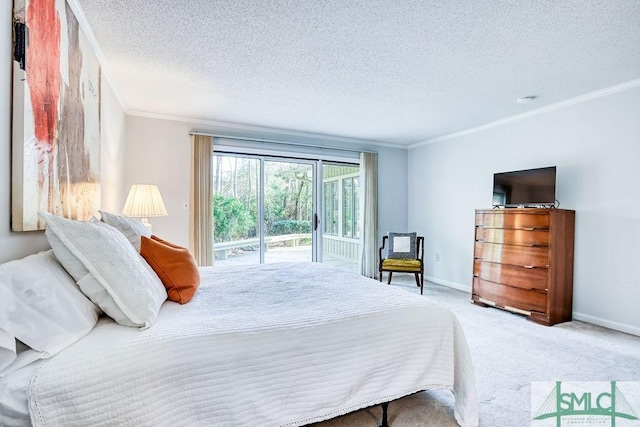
[{"x": 531, "y": 187}]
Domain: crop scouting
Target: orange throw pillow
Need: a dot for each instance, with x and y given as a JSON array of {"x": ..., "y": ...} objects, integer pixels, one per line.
[{"x": 174, "y": 265}]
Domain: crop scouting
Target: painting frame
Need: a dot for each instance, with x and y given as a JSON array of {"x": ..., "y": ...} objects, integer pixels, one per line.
[{"x": 55, "y": 121}]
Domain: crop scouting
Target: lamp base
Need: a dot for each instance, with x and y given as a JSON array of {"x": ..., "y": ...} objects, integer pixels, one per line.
[{"x": 146, "y": 222}]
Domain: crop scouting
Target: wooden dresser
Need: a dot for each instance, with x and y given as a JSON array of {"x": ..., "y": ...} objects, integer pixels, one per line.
[{"x": 523, "y": 262}]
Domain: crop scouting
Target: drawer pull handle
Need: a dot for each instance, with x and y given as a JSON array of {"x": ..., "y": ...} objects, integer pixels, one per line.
[
  {"x": 529, "y": 228},
  {"x": 529, "y": 266}
]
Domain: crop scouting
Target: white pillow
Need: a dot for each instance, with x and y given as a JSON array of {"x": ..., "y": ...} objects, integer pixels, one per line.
[
  {"x": 108, "y": 269},
  {"x": 131, "y": 228},
  {"x": 42, "y": 306},
  {"x": 7, "y": 348}
]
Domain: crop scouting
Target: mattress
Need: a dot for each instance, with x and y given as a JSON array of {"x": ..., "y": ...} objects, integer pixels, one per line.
[{"x": 275, "y": 344}]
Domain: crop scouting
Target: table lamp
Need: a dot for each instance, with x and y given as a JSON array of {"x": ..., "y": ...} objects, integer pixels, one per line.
[{"x": 143, "y": 201}]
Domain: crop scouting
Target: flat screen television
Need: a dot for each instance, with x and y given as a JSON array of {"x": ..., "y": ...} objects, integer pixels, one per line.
[{"x": 530, "y": 187}]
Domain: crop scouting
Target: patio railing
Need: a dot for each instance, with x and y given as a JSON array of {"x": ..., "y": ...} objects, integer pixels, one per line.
[
  {"x": 221, "y": 248},
  {"x": 344, "y": 248}
]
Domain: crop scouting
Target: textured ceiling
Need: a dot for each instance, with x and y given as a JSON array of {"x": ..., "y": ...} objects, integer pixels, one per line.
[{"x": 395, "y": 71}]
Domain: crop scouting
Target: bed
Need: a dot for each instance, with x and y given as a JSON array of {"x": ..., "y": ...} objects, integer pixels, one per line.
[{"x": 285, "y": 344}]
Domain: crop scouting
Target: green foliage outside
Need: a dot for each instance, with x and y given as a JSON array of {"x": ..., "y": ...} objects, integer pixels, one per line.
[
  {"x": 288, "y": 198},
  {"x": 290, "y": 226},
  {"x": 232, "y": 220}
]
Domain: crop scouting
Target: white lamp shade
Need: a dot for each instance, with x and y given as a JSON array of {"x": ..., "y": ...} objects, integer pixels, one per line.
[{"x": 144, "y": 201}]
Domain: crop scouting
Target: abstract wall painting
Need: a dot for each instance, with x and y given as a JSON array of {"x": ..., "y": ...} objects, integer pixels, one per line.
[{"x": 56, "y": 116}]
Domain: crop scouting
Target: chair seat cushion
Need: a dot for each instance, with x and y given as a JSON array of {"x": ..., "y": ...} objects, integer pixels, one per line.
[{"x": 401, "y": 264}]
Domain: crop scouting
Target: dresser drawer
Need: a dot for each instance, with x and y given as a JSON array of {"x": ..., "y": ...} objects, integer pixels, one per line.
[
  {"x": 510, "y": 297},
  {"x": 510, "y": 219},
  {"x": 512, "y": 275},
  {"x": 513, "y": 236},
  {"x": 523, "y": 256}
]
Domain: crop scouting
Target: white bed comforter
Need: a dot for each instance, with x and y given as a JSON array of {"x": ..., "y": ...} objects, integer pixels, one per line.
[{"x": 271, "y": 345}]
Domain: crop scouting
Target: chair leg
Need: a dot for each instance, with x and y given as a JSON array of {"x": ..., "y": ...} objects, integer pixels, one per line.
[
  {"x": 380, "y": 275},
  {"x": 421, "y": 282},
  {"x": 417, "y": 280},
  {"x": 385, "y": 422},
  {"x": 389, "y": 280}
]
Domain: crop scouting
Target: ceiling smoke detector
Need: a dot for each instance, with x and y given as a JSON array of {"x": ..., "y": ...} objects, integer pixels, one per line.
[{"x": 525, "y": 99}]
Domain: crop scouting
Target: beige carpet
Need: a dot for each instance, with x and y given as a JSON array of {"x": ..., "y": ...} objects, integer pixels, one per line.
[{"x": 509, "y": 353}]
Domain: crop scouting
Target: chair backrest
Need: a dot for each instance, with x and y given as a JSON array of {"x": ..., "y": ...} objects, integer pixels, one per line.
[{"x": 403, "y": 246}]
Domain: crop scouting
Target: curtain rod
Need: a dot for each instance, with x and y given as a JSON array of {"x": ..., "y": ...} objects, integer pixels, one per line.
[{"x": 297, "y": 144}]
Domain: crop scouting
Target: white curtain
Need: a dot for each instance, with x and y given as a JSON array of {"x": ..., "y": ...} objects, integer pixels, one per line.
[
  {"x": 368, "y": 219},
  {"x": 201, "y": 200}
]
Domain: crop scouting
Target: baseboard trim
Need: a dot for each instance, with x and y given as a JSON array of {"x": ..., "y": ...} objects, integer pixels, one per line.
[
  {"x": 448, "y": 284},
  {"x": 622, "y": 327},
  {"x": 616, "y": 326}
]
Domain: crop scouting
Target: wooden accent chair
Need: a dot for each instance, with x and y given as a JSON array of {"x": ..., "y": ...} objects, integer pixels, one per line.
[{"x": 405, "y": 264}]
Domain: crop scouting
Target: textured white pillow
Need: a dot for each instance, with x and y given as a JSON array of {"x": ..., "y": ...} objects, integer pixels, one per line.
[
  {"x": 131, "y": 228},
  {"x": 110, "y": 271},
  {"x": 42, "y": 306}
]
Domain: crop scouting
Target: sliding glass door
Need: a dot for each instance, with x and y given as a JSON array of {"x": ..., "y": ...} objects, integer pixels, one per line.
[
  {"x": 264, "y": 209},
  {"x": 236, "y": 209},
  {"x": 269, "y": 209},
  {"x": 288, "y": 211}
]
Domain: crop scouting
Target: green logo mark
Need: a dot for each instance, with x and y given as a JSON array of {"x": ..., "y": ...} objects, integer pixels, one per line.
[{"x": 611, "y": 404}]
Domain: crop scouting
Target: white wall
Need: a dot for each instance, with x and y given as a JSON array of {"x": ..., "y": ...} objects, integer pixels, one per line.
[
  {"x": 595, "y": 145},
  {"x": 16, "y": 245},
  {"x": 112, "y": 151},
  {"x": 158, "y": 152}
]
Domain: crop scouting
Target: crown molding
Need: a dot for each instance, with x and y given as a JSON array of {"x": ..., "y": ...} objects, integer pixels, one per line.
[{"x": 632, "y": 84}]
